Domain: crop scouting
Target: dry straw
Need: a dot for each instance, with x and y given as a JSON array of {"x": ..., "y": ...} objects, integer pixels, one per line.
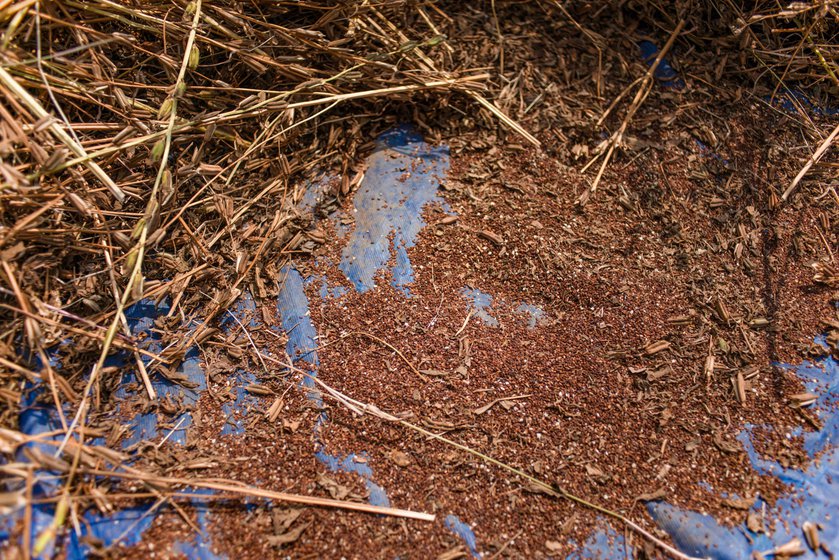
[{"x": 155, "y": 150}]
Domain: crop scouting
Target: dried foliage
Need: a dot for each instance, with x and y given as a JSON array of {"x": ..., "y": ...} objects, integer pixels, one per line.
[
  {"x": 158, "y": 149},
  {"x": 772, "y": 44},
  {"x": 271, "y": 92},
  {"x": 200, "y": 168}
]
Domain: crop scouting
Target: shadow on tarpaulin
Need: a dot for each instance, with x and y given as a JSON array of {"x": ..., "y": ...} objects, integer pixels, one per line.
[
  {"x": 813, "y": 493},
  {"x": 387, "y": 216}
]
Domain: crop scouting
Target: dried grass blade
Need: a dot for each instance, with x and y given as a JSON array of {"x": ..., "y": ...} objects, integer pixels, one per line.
[{"x": 38, "y": 110}]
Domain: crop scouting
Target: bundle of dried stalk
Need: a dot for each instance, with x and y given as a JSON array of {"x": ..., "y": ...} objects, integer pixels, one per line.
[{"x": 157, "y": 149}]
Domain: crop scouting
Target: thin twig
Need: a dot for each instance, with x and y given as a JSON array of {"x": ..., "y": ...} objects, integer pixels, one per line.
[
  {"x": 640, "y": 96},
  {"x": 265, "y": 106},
  {"x": 552, "y": 490},
  {"x": 246, "y": 490},
  {"x": 361, "y": 408},
  {"x": 817, "y": 155}
]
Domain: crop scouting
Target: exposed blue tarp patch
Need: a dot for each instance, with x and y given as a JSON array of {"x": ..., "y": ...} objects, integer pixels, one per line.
[
  {"x": 813, "y": 494},
  {"x": 480, "y": 303},
  {"x": 141, "y": 317},
  {"x": 349, "y": 464},
  {"x": 534, "y": 313},
  {"x": 325, "y": 289},
  {"x": 706, "y": 151},
  {"x": 698, "y": 534},
  {"x": 464, "y": 531},
  {"x": 403, "y": 174},
  {"x": 603, "y": 544},
  {"x": 664, "y": 72},
  {"x": 402, "y": 177},
  {"x": 793, "y": 101},
  {"x": 125, "y": 527},
  {"x": 242, "y": 315},
  {"x": 293, "y": 307},
  {"x": 200, "y": 546}
]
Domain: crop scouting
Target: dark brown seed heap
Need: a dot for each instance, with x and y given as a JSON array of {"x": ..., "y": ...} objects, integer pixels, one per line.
[{"x": 159, "y": 150}]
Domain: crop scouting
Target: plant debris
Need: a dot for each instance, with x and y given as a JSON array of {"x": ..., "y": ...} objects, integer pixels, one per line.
[{"x": 165, "y": 153}]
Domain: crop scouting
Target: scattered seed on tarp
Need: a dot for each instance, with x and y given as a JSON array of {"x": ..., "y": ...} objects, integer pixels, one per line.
[
  {"x": 739, "y": 503},
  {"x": 289, "y": 536},
  {"x": 754, "y": 521}
]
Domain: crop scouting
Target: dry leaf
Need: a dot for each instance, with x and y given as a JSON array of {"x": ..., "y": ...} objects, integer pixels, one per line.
[
  {"x": 400, "y": 458},
  {"x": 257, "y": 389},
  {"x": 754, "y": 522},
  {"x": 801, "y": 400},
  {"x": 291, "y": 425},
  {"x": 284, "y": 518},
  {"x": 502, "y": 400},
  {"x": 534, "y": 488},
  {"x": 553, "y": 546},
  {"x": 710, "y": 361},
  {"x": 739, "y": 387},
  {"x": 656, "y": 347},
  {"x": 596, "y": 474},
  {"x": 490, "y": 236},
  {"x": 811, "y": 535},
  {"x": 274, "y": 410},
  {"x": 568, "y": 524},
  {"x": 434, "y": 372},
  {"x": 739, "y": 503},
  {"x": 337, "y": 491},
  {"x": 10, "y": 501},
  {"x": 289, "y": 537},
  {"x": 657, "y": 374},
  {"x": 11, "y": 253},
  {"x": 455, "y": 553},
  {"x": 652, "y": 496},
  {"x": 792, "y": 548},
  {"x": 726, "y": 446}
]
